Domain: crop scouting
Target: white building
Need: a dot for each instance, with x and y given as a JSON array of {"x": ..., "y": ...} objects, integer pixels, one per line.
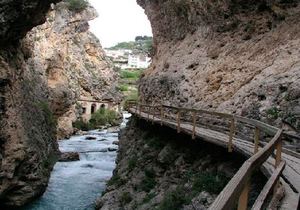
[
  {"x": 124, "y": 59},
  {"x": 138, "y": 61}
]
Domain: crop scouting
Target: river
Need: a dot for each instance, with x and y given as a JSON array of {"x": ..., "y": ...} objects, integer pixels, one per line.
[{"x": 75, "y": 185}]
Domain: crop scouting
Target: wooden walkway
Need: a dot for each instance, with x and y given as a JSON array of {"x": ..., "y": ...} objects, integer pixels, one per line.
[{"x": 283, "y": 165}]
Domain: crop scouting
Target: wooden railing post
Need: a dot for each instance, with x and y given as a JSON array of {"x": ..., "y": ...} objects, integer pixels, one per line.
[
  {"x": 140, "y": 109},
  {"x": 231, "y": 135},
  {"x": 243, "y": 200},
  {"x": 194, "y": 125},
  {"x": 161, "y": 115},
  {"x": 148, "y": 113},
  {"x": 153, "y": 114},
  {"x": 277, "y": 162},
  {"x": 178, "y": 120},
  {"x": 136, "y": 108},
  {"x": 256, "y": 140}
]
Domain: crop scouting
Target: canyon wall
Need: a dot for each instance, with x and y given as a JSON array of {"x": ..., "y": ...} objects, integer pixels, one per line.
[
  {"x": 28, "y": 146},
  {"x": 42, "y": 74},
  {"x": 234, "y": 56},
  {"x": 74, "y": 62}
]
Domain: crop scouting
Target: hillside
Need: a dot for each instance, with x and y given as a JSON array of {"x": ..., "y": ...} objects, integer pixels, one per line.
[{"x": 141, "y": 45}]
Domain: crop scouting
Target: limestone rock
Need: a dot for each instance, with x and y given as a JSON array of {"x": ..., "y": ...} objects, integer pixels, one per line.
[
  {"x": 28, "y": 146},
  {"x": 17, "y": 20},
  {"x": 69, "y": 156},
  {"x": 111, "y": 149},
  {"x": 74, "y": 63},
  {"x": 113, "y": 129},
  {"x": 238, "y": 57}
]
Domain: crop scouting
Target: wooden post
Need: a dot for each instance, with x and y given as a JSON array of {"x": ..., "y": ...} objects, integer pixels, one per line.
[
  {"x": 256, "y": 140},
  {"x": 153, "y": 114},
  {"x": 277, "y": 162},
  {"x": 136, "y": 108},
  {"x": 278, "y": 152},
  {"x": 148, "y": 113},
  {"x": 231, "y": 135},
  {"x": 243, "y": 200},
  {"x": 194, "y": 125},
  {"x": 178, "y": 120},
  {"x": 161, "y": 115},
  {"x": 140, "y": 109}
]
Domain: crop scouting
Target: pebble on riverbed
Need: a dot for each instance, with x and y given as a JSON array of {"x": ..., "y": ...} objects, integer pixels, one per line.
[{"x": 69, "y": 156}]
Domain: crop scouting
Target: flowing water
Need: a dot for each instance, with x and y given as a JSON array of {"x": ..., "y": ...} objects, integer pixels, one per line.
[{"x": 75, "y": 185}]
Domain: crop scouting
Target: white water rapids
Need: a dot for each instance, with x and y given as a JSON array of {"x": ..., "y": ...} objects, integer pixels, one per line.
[{"x": 75, "y": 185}]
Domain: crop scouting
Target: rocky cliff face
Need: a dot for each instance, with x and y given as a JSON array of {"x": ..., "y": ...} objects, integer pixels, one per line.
[
  {"x": 28, "y": 147},
  {"x": 74, "y": 62},
  {"x": 46, "y": 72},
  {"x": 233, "y": 56}
]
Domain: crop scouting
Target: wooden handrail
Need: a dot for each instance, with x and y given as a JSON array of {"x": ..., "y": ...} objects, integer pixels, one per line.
[
  {"x": 269, "y": 185},
  {"x": 261, "y": 125},
  {"x": 238, "y": 187},
  {"x": 230, "y": 194}
]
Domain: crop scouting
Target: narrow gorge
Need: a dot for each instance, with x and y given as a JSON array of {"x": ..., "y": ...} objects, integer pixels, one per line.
[{"x": 232, "y": 56}]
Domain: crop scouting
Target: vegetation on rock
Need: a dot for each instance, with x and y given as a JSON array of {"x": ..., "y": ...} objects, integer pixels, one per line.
[
  {"x": 101, "y": 117},
  {"x": 142, "y": 44},
  {"x": 77, "y": 6}
]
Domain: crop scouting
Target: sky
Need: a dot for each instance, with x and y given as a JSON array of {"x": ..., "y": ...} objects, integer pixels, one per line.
[{"x": 118, "y": 21}]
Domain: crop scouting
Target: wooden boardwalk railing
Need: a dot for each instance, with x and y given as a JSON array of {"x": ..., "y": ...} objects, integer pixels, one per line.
[{"x": 238, "y": 188}]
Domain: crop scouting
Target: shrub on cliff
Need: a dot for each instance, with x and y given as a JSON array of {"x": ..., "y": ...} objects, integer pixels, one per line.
[
  {"x": 76, "y": 6},
  {"x": 84, "y": 126},
  {"x": 101, "y": 117},
  {"x": 105, "y": 116}
]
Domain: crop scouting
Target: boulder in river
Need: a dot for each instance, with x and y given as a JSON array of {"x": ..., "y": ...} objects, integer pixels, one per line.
[
  {"x": 88, "y": 166},
  {"x": 111, "y": 149},
  {"x": 102, "y": 140},
  {"x": 113, "y": 129},
  {"x": 115, "y": 142},
  {"x": 69, "y": 156},
  {"x": 90, "y": 138},
  {"x": 80, "y": 133}
]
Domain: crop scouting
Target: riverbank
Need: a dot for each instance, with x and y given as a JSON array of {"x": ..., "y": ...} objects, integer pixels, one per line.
[{"x": 75, "y": 185}]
